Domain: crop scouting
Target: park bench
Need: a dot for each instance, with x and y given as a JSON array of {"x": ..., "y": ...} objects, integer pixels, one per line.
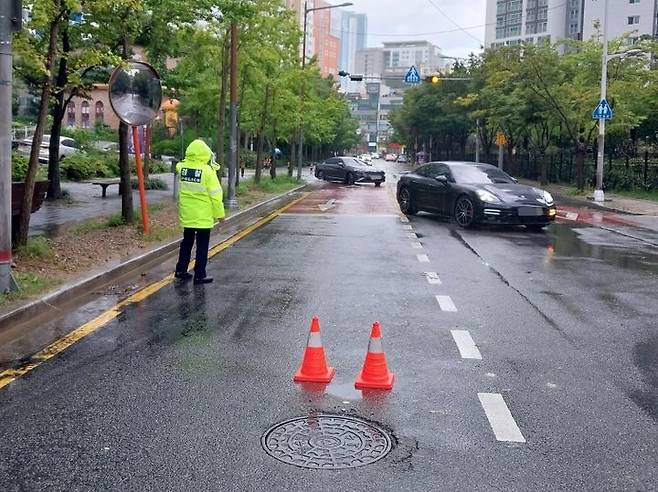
[
  {"x": 104, "y": 183},
  {"x": 17, "y": 193}
]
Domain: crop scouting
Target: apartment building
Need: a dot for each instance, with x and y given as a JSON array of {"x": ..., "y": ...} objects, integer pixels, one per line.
[
  {"x": 394, "y": 59},
  {"x": 326, "y": 46},
  {"x": 511, "y": 22}
]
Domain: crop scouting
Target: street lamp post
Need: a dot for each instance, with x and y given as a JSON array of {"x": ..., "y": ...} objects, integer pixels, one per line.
[
  {"x": 599, "y": 195},
  {"x": 300, "y": 154}
]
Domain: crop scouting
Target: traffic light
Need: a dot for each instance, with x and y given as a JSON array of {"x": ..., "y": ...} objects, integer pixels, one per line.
[{"x": 434, "y": 79}]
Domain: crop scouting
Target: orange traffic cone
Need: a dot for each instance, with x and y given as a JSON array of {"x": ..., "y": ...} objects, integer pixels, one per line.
[
  {"x": 375, "y": 374},
  {"x": 314, "y": 365}
]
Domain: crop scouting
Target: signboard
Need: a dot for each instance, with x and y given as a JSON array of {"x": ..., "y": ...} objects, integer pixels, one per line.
[
  {"x": 602, "y": 111},
  {"x": 500, "y": 139},
  {"x": 412, "y": 77}
]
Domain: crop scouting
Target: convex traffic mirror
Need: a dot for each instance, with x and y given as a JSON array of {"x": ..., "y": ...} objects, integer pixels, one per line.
[{"x": 136, "y": 93}]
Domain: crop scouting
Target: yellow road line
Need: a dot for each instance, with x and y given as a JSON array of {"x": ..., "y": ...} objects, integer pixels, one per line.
[{"x": 59, "y": 346}]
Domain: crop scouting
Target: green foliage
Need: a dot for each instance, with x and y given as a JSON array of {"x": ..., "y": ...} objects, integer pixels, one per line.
[
  {"x": 19, "y": 165},
  {"x": 36, "y": 247},
  {"x": 84, "y": 166},
  {"x": 151, "y": 184},
  {"x": 279, "y": 185}
]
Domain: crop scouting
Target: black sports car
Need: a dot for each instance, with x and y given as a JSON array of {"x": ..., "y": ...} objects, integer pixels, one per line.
[
  {"x": 349, "y": 170},
  {"x": 471, "y": 193}
]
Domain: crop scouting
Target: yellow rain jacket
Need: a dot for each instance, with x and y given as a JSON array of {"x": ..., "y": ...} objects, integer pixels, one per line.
[{"x": 199, "y": 191}]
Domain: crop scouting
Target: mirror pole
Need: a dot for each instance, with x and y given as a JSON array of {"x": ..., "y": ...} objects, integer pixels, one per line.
[{"x": 140, "y": 182}]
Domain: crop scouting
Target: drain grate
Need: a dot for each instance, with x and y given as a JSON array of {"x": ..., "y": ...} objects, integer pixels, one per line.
[{"x": 326, "y": 442}]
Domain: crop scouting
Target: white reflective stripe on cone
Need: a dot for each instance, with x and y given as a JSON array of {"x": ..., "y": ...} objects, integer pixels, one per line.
[
  {"x": 375, "y": 346},
  {"x": 314, "y": 340}
]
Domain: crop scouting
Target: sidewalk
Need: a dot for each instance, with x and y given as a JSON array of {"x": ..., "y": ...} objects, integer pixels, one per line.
[
  {"x": 613, "y": 203},
  {"x": 87, "y": 203}
]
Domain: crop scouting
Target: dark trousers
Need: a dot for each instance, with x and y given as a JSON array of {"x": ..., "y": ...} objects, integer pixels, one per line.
[{"x": 202, "y": 242}]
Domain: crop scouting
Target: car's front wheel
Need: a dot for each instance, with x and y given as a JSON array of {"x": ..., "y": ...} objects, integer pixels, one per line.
[
  {"x": 349, "y": 179},
  {"x": 320, "y": 175},
  {"x": 406, "y": 202},
  {"x": 378, "y": 184},
  {"x": 464, "y": 212}
]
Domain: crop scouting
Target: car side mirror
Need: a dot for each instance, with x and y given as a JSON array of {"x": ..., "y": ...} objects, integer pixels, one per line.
[
  {"x": 443, "y": 179},
  {"x": 514, "y": 179},
  {"x": 341, "y": 164}
]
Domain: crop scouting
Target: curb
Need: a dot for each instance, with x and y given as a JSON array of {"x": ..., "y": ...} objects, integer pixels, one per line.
[{"x": 67, "y": 292}]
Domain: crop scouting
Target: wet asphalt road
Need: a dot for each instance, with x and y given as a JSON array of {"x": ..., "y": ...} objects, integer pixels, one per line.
[{"x": 176, "y": 393}]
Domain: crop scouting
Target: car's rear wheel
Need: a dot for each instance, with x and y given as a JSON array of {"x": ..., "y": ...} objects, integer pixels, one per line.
[
  {"x": 464, "y": 212},
  {"x": 378, "y": 184},
  {"x": 320, "y": 175},
  {"x": 349, "y": 179},
  {"x": 406, "y": 202}
]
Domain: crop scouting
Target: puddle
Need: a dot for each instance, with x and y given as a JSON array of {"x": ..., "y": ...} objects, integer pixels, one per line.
[{"x": 592, "y": 243}]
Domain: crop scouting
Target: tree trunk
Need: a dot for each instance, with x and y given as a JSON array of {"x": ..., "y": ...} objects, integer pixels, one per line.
[
  {"x": 221, "y": 130},
  {"x": 58, "y": 113},
  {"x": 261, "y": 131},
  {"x": 125, "y": 187},
  {"x": 291, "y": 160},
  {"x": 580, "y": 165},
  {"x": 31, "y": 176},
  {"x": 543, "y": 170}
]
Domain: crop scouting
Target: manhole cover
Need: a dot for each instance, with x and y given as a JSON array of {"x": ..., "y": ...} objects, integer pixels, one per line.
[{"x": 326, "y": 441}]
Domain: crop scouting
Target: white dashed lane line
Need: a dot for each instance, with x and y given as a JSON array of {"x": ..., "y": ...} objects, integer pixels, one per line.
[
  {"x": 466, "y": 345},
  {"x": 412, "y": 235},
  {"x": 423, "y": 258},
  {"x": 407, "y": 227},
  {"x": 404, "y": 220},
  {"x": 432, "y": 278},
  {"x": 446, "y": 304},
  {"x": 500, "y": 418},
  {"x": 416, "y": 245}
]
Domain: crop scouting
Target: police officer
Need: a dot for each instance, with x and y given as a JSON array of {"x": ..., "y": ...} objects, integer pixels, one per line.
[{"x": 199, "y": 204}]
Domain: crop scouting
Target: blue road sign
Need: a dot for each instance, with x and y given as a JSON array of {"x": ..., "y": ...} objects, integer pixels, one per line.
[
  {"x": 603, "y": 111},
  {"x": 412, "y": 77}
]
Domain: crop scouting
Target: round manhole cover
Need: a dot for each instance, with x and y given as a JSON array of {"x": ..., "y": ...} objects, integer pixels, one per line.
[{"x": 326, "y": 441}]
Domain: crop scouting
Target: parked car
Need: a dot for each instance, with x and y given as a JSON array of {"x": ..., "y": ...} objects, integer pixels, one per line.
[
  {"x": 67, "y": 147},
  {"x": 349, "y": 170},
  {"x": 365, "y": 158},
  {"x": 374, "y": 155},
  {"x": 471, "y": 193},
  {"x": 390, "y": 157},
  {"x": 402, "y": 158}
]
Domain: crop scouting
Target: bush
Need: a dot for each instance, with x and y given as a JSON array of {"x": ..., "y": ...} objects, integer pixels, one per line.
[
  {"x": 81, "y": 166},
  {"x": 159, "y": 167},
  {"x": 151, "y": 184},
  {"x": 19, "y": 165}
]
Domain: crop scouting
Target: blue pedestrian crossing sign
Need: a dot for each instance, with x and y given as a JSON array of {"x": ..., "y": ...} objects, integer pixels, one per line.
[
  {"x": 603, "y": 111},
  {"x": 412, "y": 77}
]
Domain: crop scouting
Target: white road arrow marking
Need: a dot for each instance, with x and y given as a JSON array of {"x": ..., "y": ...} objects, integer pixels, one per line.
[{"x": 327, "y": 206}]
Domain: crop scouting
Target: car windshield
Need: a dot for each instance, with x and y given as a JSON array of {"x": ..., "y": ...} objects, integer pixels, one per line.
[
  {"x": 479, "y": 175},
  {"x": 355, "y": 162}
]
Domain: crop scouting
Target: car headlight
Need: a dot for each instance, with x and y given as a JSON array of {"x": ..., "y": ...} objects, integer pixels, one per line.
[
  {"x": 487, "y": 196},
  {"x": 548, "y": 198}
]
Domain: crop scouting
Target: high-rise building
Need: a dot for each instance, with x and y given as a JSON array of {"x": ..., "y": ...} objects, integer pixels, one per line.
[
  {"x": 634, "y": 17},
  {"x": 369, "y": 62},
  {"x": 352, "y": 29},
  {"x": 326, "y": 46},
  {"x": 298, "y": 7},
  {"x": 511, "y": 22}
]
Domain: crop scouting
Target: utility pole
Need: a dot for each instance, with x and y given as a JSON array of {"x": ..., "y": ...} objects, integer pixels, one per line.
[
  {"x": 300, "y": 149},
  {"x": 598, "y": 192},
  {"x": 300, "y": 155},
  {"x": 11, "y": 16},
  {"x": 232, "y": 201}
]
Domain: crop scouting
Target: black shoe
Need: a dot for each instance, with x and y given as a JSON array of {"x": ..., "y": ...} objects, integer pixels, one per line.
[
  {"x": 183, "y": 275},
  {"x": 204, "y": 280}
]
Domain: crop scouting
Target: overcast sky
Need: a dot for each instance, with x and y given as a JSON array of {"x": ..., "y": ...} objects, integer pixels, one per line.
[{"x": 396, "y": 20}]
